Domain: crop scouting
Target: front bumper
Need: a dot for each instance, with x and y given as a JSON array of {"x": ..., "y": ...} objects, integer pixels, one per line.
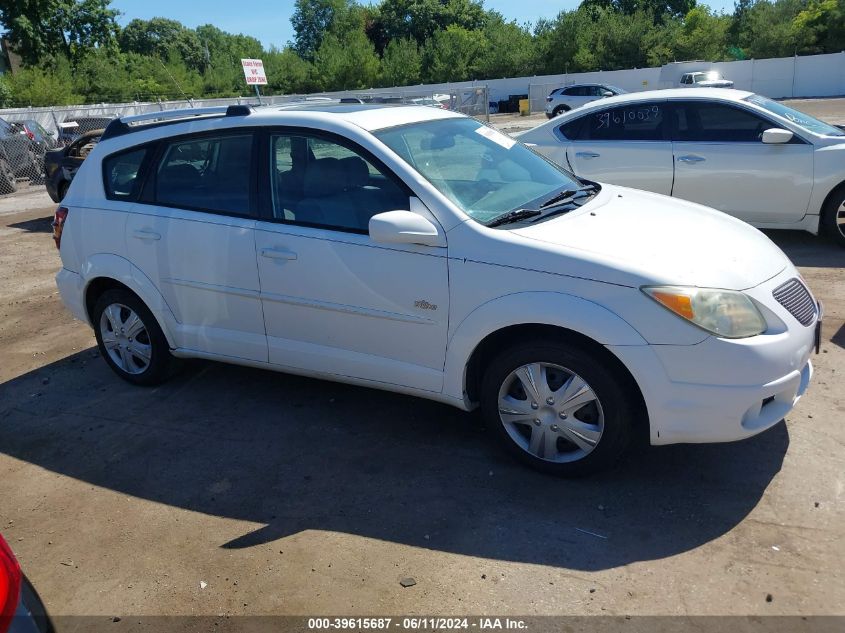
[{"x": 722, "y": 390}]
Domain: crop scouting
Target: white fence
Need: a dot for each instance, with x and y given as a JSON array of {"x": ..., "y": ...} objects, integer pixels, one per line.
[{"x": 778, "y": 78}]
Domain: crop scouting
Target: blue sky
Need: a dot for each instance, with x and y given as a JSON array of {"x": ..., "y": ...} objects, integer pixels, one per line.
[{"x": 269, "y": 20}]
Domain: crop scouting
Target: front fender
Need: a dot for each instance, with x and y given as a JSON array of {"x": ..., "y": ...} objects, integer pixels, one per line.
[
  {"x": 120, "y": 269},
  {"x": 537, "y": 308}
]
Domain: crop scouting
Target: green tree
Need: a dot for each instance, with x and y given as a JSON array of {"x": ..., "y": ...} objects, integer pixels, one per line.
[
  {"x": 34, "y": 86},
  {"x": 40, "y": 29},
  {"x": 821, "y": 26},
  {"x": 421, "y": 19},
  {"x": 509, "y": 49},
  {"x": 401, "y": 64},
  {"x": 287, "y": 72},
  {"x": 312, "y": 20},
  {"x": 345, "y": 63},
  {"x": 453, "y": 54},
  {"x": 703, "y": 35},
  {"x": 163, "y": 38}
]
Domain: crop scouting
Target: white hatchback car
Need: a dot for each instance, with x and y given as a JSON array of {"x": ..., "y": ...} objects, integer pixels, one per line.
[
  {"x": 746, "y": 155},
  {"x": 417, "y": 250}
]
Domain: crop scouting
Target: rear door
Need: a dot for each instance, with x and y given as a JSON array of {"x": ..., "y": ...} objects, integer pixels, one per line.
[
  {"x": 623, "y": 145},
  {"x": 192, "y": 234},
  {"x": 722, "y": 162}
]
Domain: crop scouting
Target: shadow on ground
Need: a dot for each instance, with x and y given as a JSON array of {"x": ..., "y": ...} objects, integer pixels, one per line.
[
  {"x": 805, "y": 249},
  {"x": 295, "y": 454},
  {"x": 38, "y": 225}
]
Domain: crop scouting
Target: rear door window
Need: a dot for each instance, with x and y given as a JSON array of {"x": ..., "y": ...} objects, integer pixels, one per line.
[
  {"x": 207, "y": 174},
  {"x": 122, "y": 174},
  {"x": 635, "y": 122}
]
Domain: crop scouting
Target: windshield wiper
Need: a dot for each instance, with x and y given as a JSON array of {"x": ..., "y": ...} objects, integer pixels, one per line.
[
  {"x": 512, "y": 216},
  {"x": 567, "y": 195}
]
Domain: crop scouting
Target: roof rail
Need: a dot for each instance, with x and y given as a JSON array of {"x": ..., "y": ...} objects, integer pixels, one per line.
[{"x": 137, "y": 122}]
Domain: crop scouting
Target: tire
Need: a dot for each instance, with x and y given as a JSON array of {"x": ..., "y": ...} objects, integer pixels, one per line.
[
  {"x": 559, "y": 110},
  {"x": 62, "y": 190},
  {"x": 598, "y": 406},
  {"x": 833, "y": 217},
  {"x": 8, "y": 183},
  {"x": 137, "y": 351}
]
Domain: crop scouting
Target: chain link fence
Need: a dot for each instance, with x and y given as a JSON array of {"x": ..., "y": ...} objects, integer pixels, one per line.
[{"x": 27, "y": 135}]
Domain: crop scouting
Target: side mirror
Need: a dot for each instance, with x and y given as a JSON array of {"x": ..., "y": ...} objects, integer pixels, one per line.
[
  {"x": 404, "y": 227},
  {"x": 777, "y": 135},
  {"x": 606, "y": 93}
]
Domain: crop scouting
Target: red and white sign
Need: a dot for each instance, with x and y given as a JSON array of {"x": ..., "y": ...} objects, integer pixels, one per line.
[{"x": 254, "y": 72}]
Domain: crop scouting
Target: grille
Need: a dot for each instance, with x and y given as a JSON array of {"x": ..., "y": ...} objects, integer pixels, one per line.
[{"x": 795, "y": 297}]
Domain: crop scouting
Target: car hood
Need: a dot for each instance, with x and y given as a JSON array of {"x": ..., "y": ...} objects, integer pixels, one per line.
[{"x": 635, "y": 237}]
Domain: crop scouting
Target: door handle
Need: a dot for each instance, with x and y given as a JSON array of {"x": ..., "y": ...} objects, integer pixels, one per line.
[
  {"x": 691, "y": 158},
  {"x": 277, "y": 253},
  {"x": 587, "y": 155},
  {"x": 146, "y": 235}
]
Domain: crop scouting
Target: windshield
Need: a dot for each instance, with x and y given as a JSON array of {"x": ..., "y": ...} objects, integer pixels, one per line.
[
  {"x": 484, "y": 172},
  {"x": 616, "y": 89},
  {"x": 811, "y": 124}
]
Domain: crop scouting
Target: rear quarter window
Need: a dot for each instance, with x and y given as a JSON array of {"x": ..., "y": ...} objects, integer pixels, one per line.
[{"x": 121, "y": 174}]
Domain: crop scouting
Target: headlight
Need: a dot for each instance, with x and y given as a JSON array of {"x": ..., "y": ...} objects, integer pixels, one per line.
[{"x": 726, "y": 313}]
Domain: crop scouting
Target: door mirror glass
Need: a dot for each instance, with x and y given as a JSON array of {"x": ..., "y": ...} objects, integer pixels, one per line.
[
  {"x": 777, "y": 135},
  {"x": 404, "y": 227}
]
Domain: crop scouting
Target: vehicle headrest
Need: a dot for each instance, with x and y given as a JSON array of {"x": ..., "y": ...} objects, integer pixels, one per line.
[
  {"x": 325, "y": 177},
  {"x": 357, "y": 173}
]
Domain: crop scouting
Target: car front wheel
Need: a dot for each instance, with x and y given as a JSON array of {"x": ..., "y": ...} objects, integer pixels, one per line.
[
  {"x": 560, "y": 110},
  {"x": 557, "y": 407},
  {"x": 833, "y": 217},
  {"x": 130, "y": 339}
]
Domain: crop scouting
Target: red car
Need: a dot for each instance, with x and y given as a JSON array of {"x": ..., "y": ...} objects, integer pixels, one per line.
[{"x": 21, "y": 610}]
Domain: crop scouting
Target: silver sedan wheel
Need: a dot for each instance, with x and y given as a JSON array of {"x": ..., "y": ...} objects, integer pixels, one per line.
[
  {"x": 125, "y": 338},
  {"x": 840, "y": 219},
  {"x": 551, "y": 412}
]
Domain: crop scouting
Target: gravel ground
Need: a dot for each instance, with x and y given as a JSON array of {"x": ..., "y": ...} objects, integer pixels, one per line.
[{"x": 232, "y": 491}]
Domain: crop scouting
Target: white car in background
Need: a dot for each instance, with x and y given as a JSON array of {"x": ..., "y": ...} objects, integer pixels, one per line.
[
  {"x": 704, "y": 79},
  {"x": 417, "y": 250},
  {"x": 746, "y": 155},
  {"x": 571, "y": 97}
]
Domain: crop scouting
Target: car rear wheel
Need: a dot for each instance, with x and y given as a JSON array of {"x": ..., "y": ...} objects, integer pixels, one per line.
[
  {"x": 130, "y": 339},
  {"x": 833, "y": 217},
  {"x": 560, "y": 110},
  {"x": 557, "y": 407},
  {"x": 8, "y": 183}
]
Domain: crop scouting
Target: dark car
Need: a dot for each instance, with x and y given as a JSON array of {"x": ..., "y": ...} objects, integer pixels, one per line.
[
  {"x": 18, "y": 158},
  {"x": 61, "y": 164},
  {"x": 21, "y": 609},
  {"x": 71, "y": 129},
  {"x": 40, "y": 140}
]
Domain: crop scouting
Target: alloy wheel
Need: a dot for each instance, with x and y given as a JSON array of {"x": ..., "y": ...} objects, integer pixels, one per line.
[{"x": 551, "y": 412}]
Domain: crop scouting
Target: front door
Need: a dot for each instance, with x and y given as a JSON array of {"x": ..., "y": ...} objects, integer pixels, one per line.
[
  {"x": 722, "y": 162},
  {"x": 335, "y": 301}
]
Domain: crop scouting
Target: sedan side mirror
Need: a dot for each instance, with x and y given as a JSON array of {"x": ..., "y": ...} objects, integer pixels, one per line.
[
  {"x": 777, "y": 135},
  {"x": 606, "y": 93},
  {"x": 404, "y": 227}
]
